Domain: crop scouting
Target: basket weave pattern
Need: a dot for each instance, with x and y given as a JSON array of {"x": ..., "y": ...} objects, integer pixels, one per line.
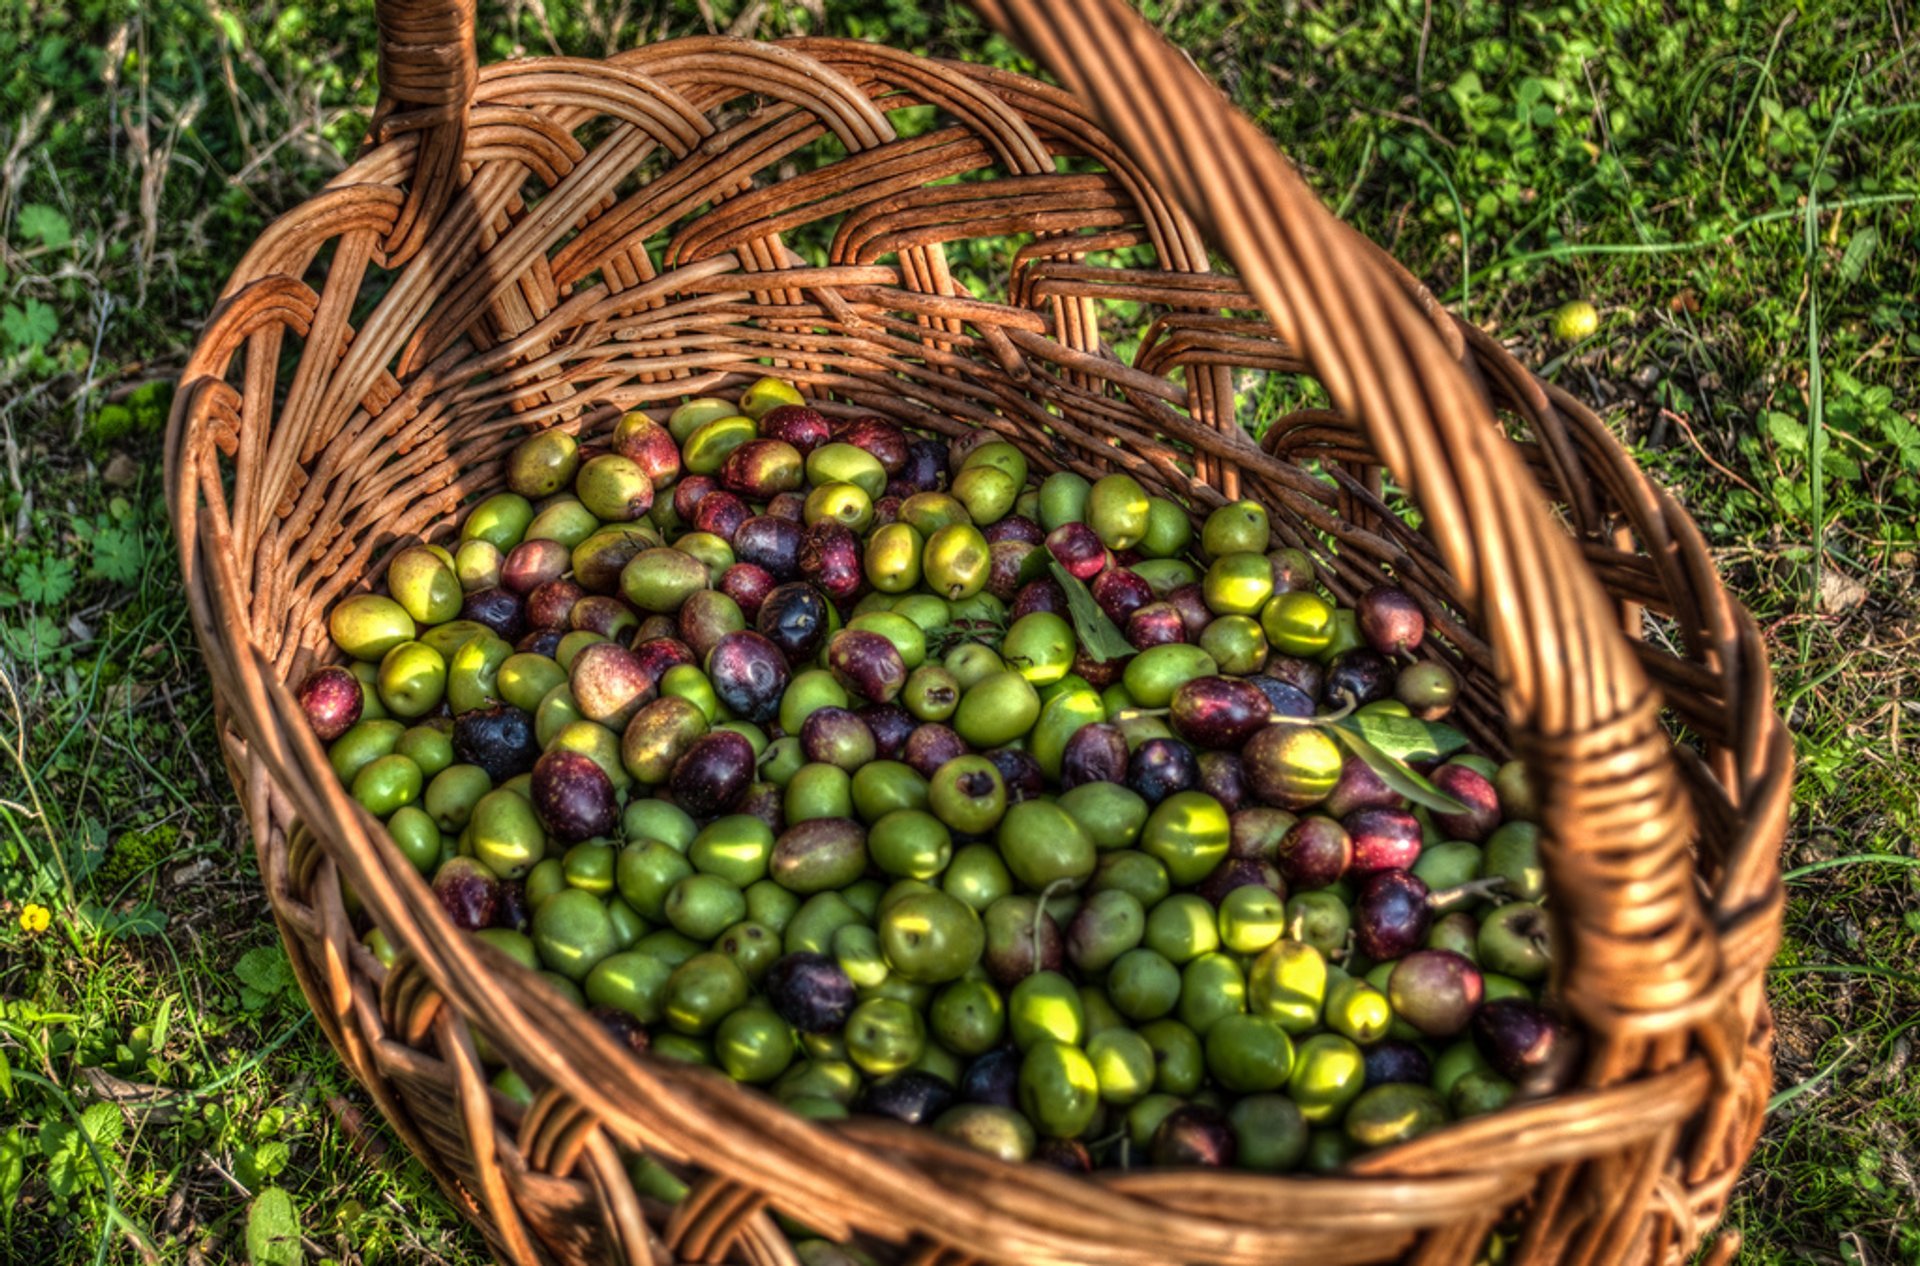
[{"x": 553, "y": 241}]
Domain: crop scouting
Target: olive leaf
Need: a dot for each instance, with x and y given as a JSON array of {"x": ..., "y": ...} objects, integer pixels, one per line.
[
  {"x": 1404, "y": 738},
  {"x": 1395, "y": 772},
  {"x": 1096, "y": 633}
]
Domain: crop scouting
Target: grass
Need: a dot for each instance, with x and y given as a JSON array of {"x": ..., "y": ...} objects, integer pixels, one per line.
[{"x": 1732, "y": 186}]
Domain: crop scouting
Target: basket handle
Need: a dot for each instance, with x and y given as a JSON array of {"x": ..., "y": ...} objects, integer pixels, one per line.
[
  {"x": 429, "y": 68},
  {"x": 1640, "y": 954}
]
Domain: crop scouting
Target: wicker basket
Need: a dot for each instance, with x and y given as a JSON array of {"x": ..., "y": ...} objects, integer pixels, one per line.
[{"x": 550, "y": 242}]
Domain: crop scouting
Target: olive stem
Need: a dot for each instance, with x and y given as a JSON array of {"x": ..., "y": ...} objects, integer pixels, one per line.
[
  {"x": 1040, "y": 912},
  {"x": 1491, "y": 885}
]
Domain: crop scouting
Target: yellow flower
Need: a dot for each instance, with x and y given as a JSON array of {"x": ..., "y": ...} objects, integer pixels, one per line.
[{"x": 35, "y": 918}]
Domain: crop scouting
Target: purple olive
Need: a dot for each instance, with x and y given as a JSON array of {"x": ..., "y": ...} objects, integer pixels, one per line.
[
  {"x": 1391, "y": 1060},
  {"x": 499, "y": 609},
  {"x": 749, "y": 675},
  {"x": 835, "y": 736},
  {"x": 498, "y": 739},
  {"x": 867, "y": 664},
  {"x": 1020, "y": 771},
  {"x": 1283, "y": 698},
  {"x": 1022, "y": 938},
  {"x": 1044, "y": 594},
  {"x": 791, "y": 506},
  {"x": 655, "y": 627},
  {"x": 993, "y": 1078},
  {"x": 531, "y": 564},
  {"x": 1391, "y": 915},
  {"x": 748, "y": 586},
  {"x": 707, "y": 616},
  {"x": 1160, "y": 767},
  {"x": 604, "y": 614},
  {"x": 887, "y": 442},
  {"x": 1473, "y": 790},
  {"x": 656, "y": 655},
  {"x": 1068, "y": 1155},
  {"x": 625, "y": 1031},
  {"x": 1156, "y": 624},
  {"x": 1435, "y": 990},
  {"x": 713, "y": 776},
  {"x": 913, "y": 1096},
  {"x": 932, "y": 745},
  {"x": 1360, "y": 788},
  {"x": 573, "y": 796},
  {"x": 1223, "y": 777},
  {"x": 1098, "y": 673},
  {"x": 648, "y": 445},
  {"x": 1191, "y": 602},
  {"x": 721, "y": 513},
  {"x": 550, "y": 606},
  {"x": 800, "y": 425},
  {"x": 891, "y": 725},
  {"x": 1240, "y": 872},
  {"x": 1531, "y": 1046},
  {"x": 1005, "y": 561},
  {"x": 1315, "y": 851},
  {"x": 1383, "y": 839},
  {"x": 332, "y": 699},
  {"x": 1014, "y": 527},
  {"x": 1194, "y": 1134},
  {"x": 830, "y": 558},
  {"x": 541, "y": 642},
  {"x": 1218, "y": 712},
  {"x": 887, "y": 509},
  {"x": 468, "y": 892},
  {"x": 1258, "y": 830},
  {"x": 1120, "y": 593},
  {"x": 926, "y": 465},
  {"x": 794, "y": 618},
  {"x": 772, "y": 544},
  {"x": 1304, "y": 675},
  {"x": 1292, "y": 569},
  {"x": 511, "y": 910},
  {"x": 762, "y": 467},
  {"x": 809, "y": 991},
  {"x": 690, "y": 492},
  {"x": 1359, "y": 675},
  {"x": 610, "y": 683},
  {"x": 1390, "y": 620},
  {"x": 1076, "y": 547},
  {"x": 1097, "y": 752}
]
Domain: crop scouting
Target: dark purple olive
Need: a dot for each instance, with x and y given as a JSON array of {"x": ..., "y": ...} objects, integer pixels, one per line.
[
  {"x": 1359, "y": 675},
  {"x": 654, "y": 628},
  {"x": 791, "y": 506},
  {"x": 648, "y": 445},
  {"x": 766, "y": 801},
  {"x": 1360, "y": 788},
  {"x": 748, "y": 586},
  {"x": 1098, "y": 673},
  {"x": 762, "y": 467},
  {"x": 1436, "y": 991},
  {"x": 1391, "y": 915},
  {"x": 993, "y": 1078},
  {"x": 887, "y": 509},
  {"x": 1283, "y": 699},
  {"x": 1240, "y": 872},
  {"x": 1292, "y": 569},
  {"x": 1477, "y": 794},
  {"x": 1044, "y": 594},
  {"x": 1076, "y": 547},
  {"x": 1315, "y": 851},
  {"x": 1305, "y": 675},
  {"x": 1531, "y": 1046},
  {"x": 809, "y": 991},
  {"x": 1120, "y": 593},
  {"x": 707, "y": 616},
  {"x": 1022, "y": 938},
  {"x": 1194, "y": 1134},
  {"x": 531, "y": 564},
  {"x": 721, "y": 513},
  {"x": 891, "y": 725},
  {"x": 573, "y": 796},
  {"x": 930, "y": 746},
  {"x": 550, "y": 606},
  {"x": 1156, "y": 624},
  {"x": 541, "y": 642},
  {"x": 498, "y": 739},
  {"x": 1383, "y": 839},
  {"x": 498, "y": 609},
  {"x": 1015, "y": 527},
  {"x": 606, "y": 615},
  {"x": 835, "y": 736},
  {"x": 1218, "y": 712},
  {"x": 749, "y": 674},
  {"x": 887, "y": 442},
  {"x": 598, "y": 560},
  {"x": 1390, "y": 620},
  {"x": 794, "y": 618},
  {"x": 656, "y": 655},
  {"x": 713, "y": 776},
  {"x": 926, "y": 465},
  {"x": 800, "y": 425},
  {"x": 1160, "y": 767},
  {"x": 511, "y": 910},
  {"x": 1068, "y": 1155},
  {"x": 1223, "y": 777},
  {"x": 468, "y": 892},
  {"x": 830, "y": 558},
  {"x": 1393, "y": 1061},
  {"x": 1020, "y": 771},
  {"x": 913, "y": 1096},
  {"x": 690, "y": 492},
  {"x": 867, "y": 664},
  {"x": 1257, "y": 832},
  {"x": 772, "y": 544},
  {"x": 626, "y": 1032},
  {"x": 610, "y": 683},
  {"x": 332, "y": 699},
  {"x": 1097, "y": 752},
  {"x": 1191, "y": 602},
  {"x": 1005, "y": 561}
]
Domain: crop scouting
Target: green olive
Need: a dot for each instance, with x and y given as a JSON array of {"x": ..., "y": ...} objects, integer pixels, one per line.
[
  {"x": 543, "y": 463},
  {"x": 910, "y": 843},
  {"x": 884, "y": 1035},
  {"x": 846, "y": 463},
  {"x": 1179, "y": 1062},
  {"x": 1154, "y": 674},
  {"x": 928, "y": 512},
  {"x": 364, "y": 742},
  {"x": 818, "y": 790},
  {"x": 423, "y": 583},
  {"x": 1329, "y": 1072},
  {"x": 1252, "y": 917},
  {"x": 428, "y": 745},
  {"x": 1164, "y": 575},
  {"x": 924, "y": 609},
  {"x": 968, "y": 1017},
  {"x": 566, "y": 521},
  {"x": 505, "y": 834},
  {"x": 1169, "y": 531},
  {"x": 417, "y": 837},
  {"x": 735, "y": 848},
  {"x": 658, "y": 820},
  {"x": 703, "y": 991},
  {"x": 1248, "y": 1054},
  {"x": 685, "y": 419},
  {"x": 892, "y": 559},
  {"x": 477, "y": 564},
  {"x": 1394, "y": 1113},
  {"x": 1113, "y": 816},
  {"x": 847, "y": 504},
  {"x": 931, "y": 937},
  {"x": 473, "y": 672},
  {"x": 1132, "y": 871},
  {"x": 669, "y": 946},
  {"x": 987, "y": 492},
  {"x": 632, "y": 982},
  {"x": 589, "y": 866},
  {"x": 453, "y": 793},
  {"x": 977, "y": 876},
  {"x": 1182, "y": 928},
  {"x": 386, "y": 783},
  {"x": 1238, "y": 584},
  {"x": 753, "y": 1045},
  {"x": 1299, "y": 623},
  {"x": 885, "y": 786},
  {"x": 968, "y": 794},
  {"x": 1211, "y": 988},
  {"x": 1063, "y": 499},
  {"x": 703, "y": 906},
  {"x": 413, "y": 678},
  {"x": 706, "y": 449},
  {"x": 1143, "y": 985},
  {"x": 572, "y": 932},
  {"x": 997, "y": 710},
  {"x": 1000, "y": 455},
  {"x": 1270, "y": 1131},
  {"x": 1118, "y": 511},
  {"x": 956, "y": 561},
  {"x": 1357, "y": 1010},
  {"x": 1122, "y": 1063},
  {"x": 755, "y": 946},
  {"x": 660, "y": 580},
  {"x": 1237, "y": 528},
  {"x": 501, "y": 521},
  {"x": 1190, "y": 832},
  {"x": 1071, "y": 706},
  {"x": 646, "y": 873},
  {"x": 1043, "y": 845},
  {"x": 1145, "y": 1116},
  {"x": 1040, "y": 647},
  {"x": 368, "y": 625},
  {"x": 1059, "y": 1090},
  {"x": 998, "y": 1132},
  {"x": 628, "y": 926},
  {"x": 1045, "y": 1006},
  {"x": 1236, "y": 643},
  {"x": 812, "y": 926},
  {"x": 972, "y": 662},
  {"x": 515, "y": 945}
]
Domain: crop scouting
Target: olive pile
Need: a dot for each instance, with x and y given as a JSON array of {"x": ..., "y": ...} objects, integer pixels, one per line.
[{"x": 846, "y": 761}]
